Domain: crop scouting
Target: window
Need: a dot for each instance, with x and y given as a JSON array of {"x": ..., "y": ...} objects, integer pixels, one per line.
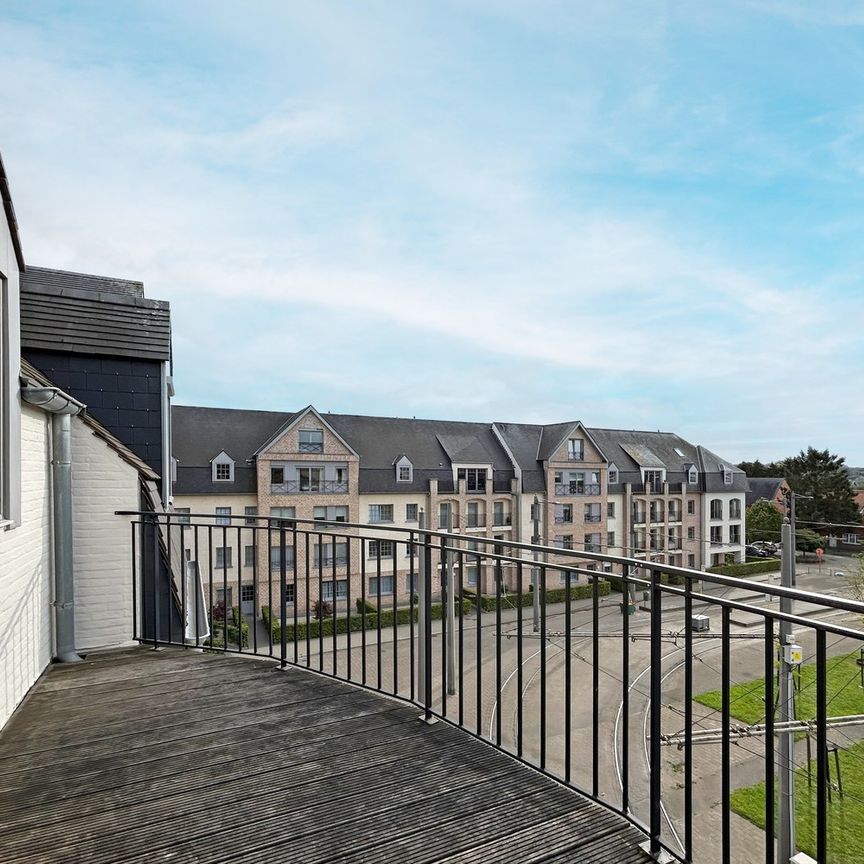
[
  {"x": 251, "y": 514},
  {"x": 411, "y": 583},
  {"x": 735, "y": 534},
  {"x": 277, "y": 475},
  {"x": 735, "y": 508},
  {"x": 276, "y": 557},
  {"x": 380, "y": 548},
  {"x": 341, "y": 589},
  {"x": 592, "y": 543},
  {"x": 475, "y": 478},
  {"x": 249, "y": 556},
  {"x": 613, "y": 474},
  {"x": 182, "y": 514},
  {"x": 386, "y": 585},
  {"x": 691, "y": 561},
  {"x": 330, "y": 514},
  {"x": 565, "y": 541},
  {"x": 691, "y": 533},
  {"x": 380, "y": 512},
  {"x": 330, "y": 553},
  {"x": 692, "y": 476},
  {"x": 716, "y": 535},
  {"x": 850, "y": 539},
  {"x": 289, "y": 592},
  {"x": 591, "y": 513},
  {"x": 223, "y": 557},
  {"x": 410, "y": 512},
  {"x": 311, "y": 440},
  {"x": 610, "y": 539},
  {"x": 223, "y": 468},
  {"x": 444, "y": 511},
  {"x": 282, "y": 513},
  {"x": 563, "y": 513},
  {"x": 566, "y": 576},
  {"x": 654, "y": 481},
  {"x": 575, "y": 449},
  {"x": 716, "y": 508},
  {"x": 499, "y": 516},
  {"x": 691, "y": 507},
  {"x": 10, "y": 412},
  {"x": 247, "y": 593},
  {"x": 471, "y": 571},
  {"x": 475, "y": 514},
  {"x": 727, "y": 475},
  {"x": 610, "y": 509},
  {"x": 309, "y": 479},
  {"x": 223, "y": 515}
]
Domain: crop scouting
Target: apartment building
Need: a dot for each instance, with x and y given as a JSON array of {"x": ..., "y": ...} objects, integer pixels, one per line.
[{"x": 640, "y": 494}]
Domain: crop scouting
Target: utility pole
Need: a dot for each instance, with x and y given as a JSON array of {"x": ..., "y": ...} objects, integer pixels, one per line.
[
  {"x": 794, "y": 535},
  {"x": 535, "y": 578},
  {"x": 785, "y": 739}
]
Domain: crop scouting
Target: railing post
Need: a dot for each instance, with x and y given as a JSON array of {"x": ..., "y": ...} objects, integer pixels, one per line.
[
  {"x": 535, "y": 571},
  {"x": 656, "y": 697},
  {"x": 283, "y": 599},
  {"x": 424, "y": 622}
]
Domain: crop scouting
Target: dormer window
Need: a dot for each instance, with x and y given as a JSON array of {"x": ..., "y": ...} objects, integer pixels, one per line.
[
  {"x": 692, "y": 476},
  {"x": 311, "y": 440},
  {"x": 475, "y": 478},
  {"x": 404, "y": 470},
  {"x": 727, "y": 475},
  {"x": 223, "y": 468},
  {"x": 613, "y": 473}
]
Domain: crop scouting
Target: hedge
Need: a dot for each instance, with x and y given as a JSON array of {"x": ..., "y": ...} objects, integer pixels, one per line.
[
  {"x": 238, "y": 628},
  {"x": 353, "y": 622},
  {"x": 763, "y": 565}
]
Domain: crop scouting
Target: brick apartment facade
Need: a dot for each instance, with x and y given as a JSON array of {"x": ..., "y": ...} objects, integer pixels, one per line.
[{"x": 649, "y": 495}]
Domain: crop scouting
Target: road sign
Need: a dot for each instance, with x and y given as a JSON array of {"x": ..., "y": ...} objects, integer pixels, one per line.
[{"x": 820, "y": 553}]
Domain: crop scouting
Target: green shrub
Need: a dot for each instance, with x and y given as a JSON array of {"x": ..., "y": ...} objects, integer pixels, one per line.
[{"x": 760, "y": 565}]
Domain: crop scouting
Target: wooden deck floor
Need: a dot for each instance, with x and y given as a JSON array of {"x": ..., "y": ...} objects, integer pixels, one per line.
[{"x": 143, "y": 756}]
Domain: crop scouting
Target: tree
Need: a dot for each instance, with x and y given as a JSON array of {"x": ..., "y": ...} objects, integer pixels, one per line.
[
  {"x": 764, "y": 521},
  {"x": 822, "y": 477},
  {"x": 761, "y": 469},
  {"x": 807, "y": 540},
  {"x": 856, "y": 580}
]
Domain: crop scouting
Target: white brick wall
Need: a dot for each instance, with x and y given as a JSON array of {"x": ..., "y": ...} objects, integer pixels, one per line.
[
  {"x": 101, "y": 483},
  {"x": 25, "y": 572}
]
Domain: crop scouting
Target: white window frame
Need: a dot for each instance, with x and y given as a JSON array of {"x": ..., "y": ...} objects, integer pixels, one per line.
[
  {"x": 851, "y": 539},
  {"x": 612, "y": 475},
  {"x": 385, "y": 579},
  {"x": 577, "y": 454},
  {"x": 182, "y": 514},
  {"x": 692, "y": 476},
  {"x": 251, "y": 514},
  {"x": 408, "y": 516},
  {"x": 249, "y": 560},
  {"x": 378, "y": 510},
  {"x": 310, "y": 446},
  {"x": 712, "y": 508},
  {"x": 341, "y": 590},
  {"x": 227, "y": 560},
  {"x": 387, "y": 549},
  {"x": 221, "y": 514},
  {"x": 221, "y": 461},
  {"x": 10, "y": 408}
]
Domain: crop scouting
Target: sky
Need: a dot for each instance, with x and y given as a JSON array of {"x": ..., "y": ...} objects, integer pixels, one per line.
[{"x": 640, "y": 214}]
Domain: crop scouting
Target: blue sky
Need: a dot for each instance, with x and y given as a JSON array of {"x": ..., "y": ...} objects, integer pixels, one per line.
[{"x": 645, "y": 215}]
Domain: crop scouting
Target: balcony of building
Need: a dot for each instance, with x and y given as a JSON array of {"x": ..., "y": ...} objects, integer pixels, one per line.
[
  {"x": 575, "y": 487},
  {"x": 314, "y": 738},
  {"x": 298, "y": 487}
]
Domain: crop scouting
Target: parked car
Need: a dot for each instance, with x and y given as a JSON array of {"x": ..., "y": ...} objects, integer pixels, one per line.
[
  {"x": 757, "y": 552},
  {"x": 765, "y": 546}
]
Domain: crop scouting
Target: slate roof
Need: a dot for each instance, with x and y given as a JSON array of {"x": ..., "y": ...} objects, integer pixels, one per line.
[
  {"x": 431, "y": 445},
  {"x": 94, "y": 315},
  {"x": 712, "y": 478},
  {"x": 762, "y": 487}
]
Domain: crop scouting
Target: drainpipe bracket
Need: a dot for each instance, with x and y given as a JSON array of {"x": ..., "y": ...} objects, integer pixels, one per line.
[{"x": 662, "y": 857}]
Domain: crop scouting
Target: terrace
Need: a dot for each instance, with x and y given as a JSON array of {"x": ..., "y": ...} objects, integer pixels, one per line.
[{"x": 518, "y": 723}]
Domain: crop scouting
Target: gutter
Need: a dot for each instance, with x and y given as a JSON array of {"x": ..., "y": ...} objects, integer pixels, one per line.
[{"x": 62, "y": 408}]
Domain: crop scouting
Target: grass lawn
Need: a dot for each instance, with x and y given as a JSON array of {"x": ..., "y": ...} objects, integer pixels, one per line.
[
  {"x": 845, "y": 695},
  {"x": 845, "y": 816}
]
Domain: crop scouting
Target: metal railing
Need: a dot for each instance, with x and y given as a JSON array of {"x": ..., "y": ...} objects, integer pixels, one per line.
[
  {"x": 291, "y": 487},
  {"x": 575, "y": 488},
  {"x": 505, "y": 662}
]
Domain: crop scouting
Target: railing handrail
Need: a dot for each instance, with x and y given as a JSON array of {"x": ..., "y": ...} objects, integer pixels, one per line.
[{"x": 641, "y": 564}]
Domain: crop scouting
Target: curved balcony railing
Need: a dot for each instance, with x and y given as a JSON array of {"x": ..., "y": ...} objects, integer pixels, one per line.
[{"x": 507, "y": 663}]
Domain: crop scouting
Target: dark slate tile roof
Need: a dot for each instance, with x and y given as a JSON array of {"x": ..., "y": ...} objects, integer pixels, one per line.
[
  {"x": 95, "y": 315},
  {"x": 523, "y": 439},
  {"x": 762, "y": 487},
  {"x": 552, "y": 436},
  {"x": 712, "y": 477}
]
